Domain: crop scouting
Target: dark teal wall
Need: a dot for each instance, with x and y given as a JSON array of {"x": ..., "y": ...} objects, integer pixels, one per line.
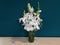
[{"x": 12, "y": 10}]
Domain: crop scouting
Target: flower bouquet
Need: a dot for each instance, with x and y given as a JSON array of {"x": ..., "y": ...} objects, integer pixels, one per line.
[{"x": 31, "y": 21}]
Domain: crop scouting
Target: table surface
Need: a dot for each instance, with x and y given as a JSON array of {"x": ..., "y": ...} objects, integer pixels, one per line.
[{"x": 24, "y": 41}]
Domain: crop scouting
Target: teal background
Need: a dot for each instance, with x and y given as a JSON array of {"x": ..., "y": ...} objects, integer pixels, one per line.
[{"x": 12, "y": 10}]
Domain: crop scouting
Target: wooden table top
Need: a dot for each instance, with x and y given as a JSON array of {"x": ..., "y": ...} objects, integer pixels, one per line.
[{"x": 24, "y": 41}]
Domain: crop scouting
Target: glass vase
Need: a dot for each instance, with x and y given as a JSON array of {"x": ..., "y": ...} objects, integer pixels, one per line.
[{"x": 31, "y": 36}]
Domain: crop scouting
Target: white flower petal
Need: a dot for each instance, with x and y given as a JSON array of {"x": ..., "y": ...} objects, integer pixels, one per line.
[{"x": 37, "y": 27}]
